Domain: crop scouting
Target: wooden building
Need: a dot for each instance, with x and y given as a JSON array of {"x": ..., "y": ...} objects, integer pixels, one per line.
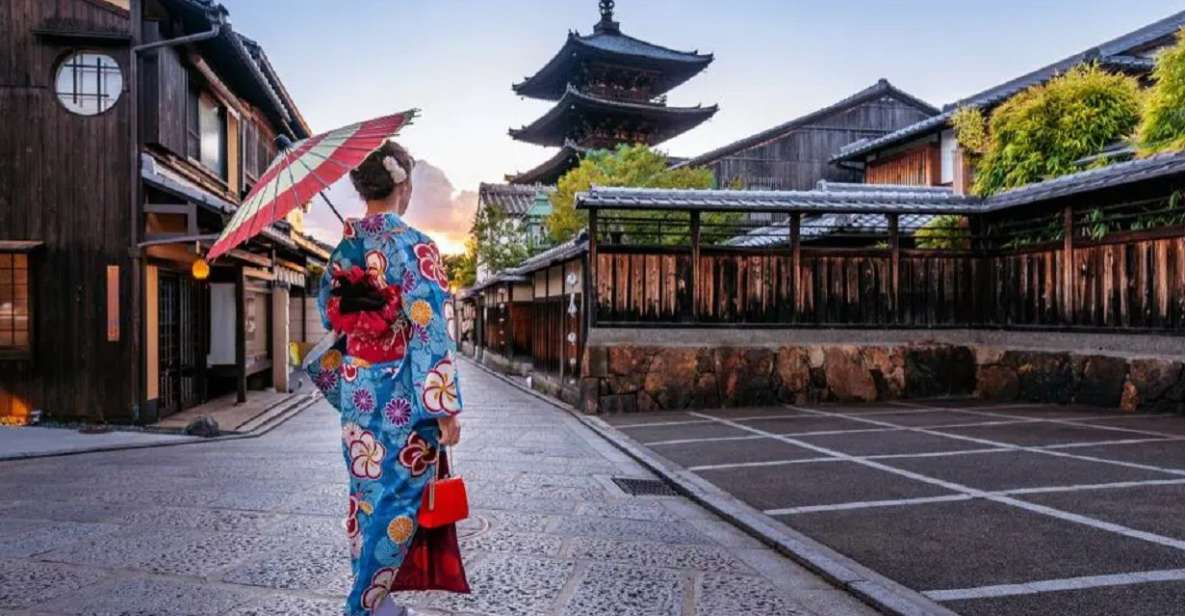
[
  {"x": 132, "y": 132},
  {"x": 926, "y": 153},
  {"x": 796, "y": 155}
]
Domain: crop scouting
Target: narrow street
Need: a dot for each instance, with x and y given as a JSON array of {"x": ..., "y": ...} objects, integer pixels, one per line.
[{"x": 253, "y": 527}]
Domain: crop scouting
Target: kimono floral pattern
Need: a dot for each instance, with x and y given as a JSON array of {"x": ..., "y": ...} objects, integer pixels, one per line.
[
  {"x": 440, "y": 388},
  {"x": 417, "y": 455},
  {"x": 389, "y": 408},
  {"x": 431, "y": 265}
]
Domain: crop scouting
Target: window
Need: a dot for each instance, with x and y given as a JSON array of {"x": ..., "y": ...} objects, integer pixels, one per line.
[
  {"x": 14, "y": 303},
  {"x": 205, "y": 129},
  {"x": 88, "y": 83},
  {"x": 947, "y": 147}
]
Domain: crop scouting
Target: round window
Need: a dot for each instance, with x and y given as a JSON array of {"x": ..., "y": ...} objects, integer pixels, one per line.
[{"x": 88, "y": 83}]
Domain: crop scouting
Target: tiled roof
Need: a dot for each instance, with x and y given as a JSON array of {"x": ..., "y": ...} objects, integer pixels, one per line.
[
  {"x": 1111, "y": 176},
  {"x": 230, "y": 55},
  {"x": 1120, "y": 51},
  {"x": 881, "y": 88},
  {"x": 873, "y": 199},
  {"x": 816, "y": 227},
  {"x": 675, "y": 67},
  {"x": 575, "y": 246},
  {"x": 550, "y": 170},
  {"x": 514, "y": 199},
  {"x": 556, "y": 254},
  {"x": 552, "y": 127}
]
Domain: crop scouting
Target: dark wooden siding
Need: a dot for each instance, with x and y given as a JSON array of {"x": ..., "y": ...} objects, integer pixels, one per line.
[
  {"x": 166, "y": 87},
  {"x": 798, "y": 159},
  {"x": 64, "y": 180}
]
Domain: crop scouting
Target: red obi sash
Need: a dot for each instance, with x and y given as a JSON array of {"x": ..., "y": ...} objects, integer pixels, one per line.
[{"x": 375, "y": 335}]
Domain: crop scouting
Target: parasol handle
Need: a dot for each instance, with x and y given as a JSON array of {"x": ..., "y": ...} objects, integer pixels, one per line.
[{"x": 330, "y": 204}]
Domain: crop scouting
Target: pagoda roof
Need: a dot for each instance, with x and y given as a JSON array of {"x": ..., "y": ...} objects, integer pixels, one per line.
[
  {"x": 512, "y": 199},
  {"x": 552, "y": 128},
  {"x": 613, "y": 47},
  {"x": 550, "y": 170}
]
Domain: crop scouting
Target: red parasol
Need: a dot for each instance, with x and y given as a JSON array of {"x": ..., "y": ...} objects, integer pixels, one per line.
[{"x": 301, "y": 171}]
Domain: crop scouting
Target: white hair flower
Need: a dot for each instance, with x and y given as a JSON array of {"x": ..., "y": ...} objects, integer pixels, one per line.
[{"x": 398, "y": 173}]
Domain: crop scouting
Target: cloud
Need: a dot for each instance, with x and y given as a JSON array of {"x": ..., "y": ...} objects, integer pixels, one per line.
[{"x": 437, "y": 208}]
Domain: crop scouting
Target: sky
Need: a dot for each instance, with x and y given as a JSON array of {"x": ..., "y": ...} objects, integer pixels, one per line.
[{"x": 349, "y": 60}]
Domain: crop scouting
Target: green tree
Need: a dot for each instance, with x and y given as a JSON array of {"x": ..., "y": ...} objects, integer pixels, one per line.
[
  {"x": 462, "y": 268},
  {"x": 1163, "y": 126},
  {"x": 1042, "y": 131},
  {"x": 635, "y": 166},
  {"x": 496, "y": 240}
]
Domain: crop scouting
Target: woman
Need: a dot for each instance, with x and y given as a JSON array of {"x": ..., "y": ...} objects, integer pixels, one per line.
[{"x": 393, "y": 377}]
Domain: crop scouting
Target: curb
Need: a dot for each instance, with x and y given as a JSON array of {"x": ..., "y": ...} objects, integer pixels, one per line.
[
  {"x": 264, "y": 423},
  {"x": 863, "y": 583}
]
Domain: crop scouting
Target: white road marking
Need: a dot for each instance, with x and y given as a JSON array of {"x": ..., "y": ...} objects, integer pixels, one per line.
[
  {"x": 963, "y": 489},
  {"x": 960, "y": 497},
  {"x": 991, "y": 443},
  {"x": 685, "y": 441},
  {"x": 886, "y": 456},
  {"x": 869, "y": 504},
  {"x": 1077, "y": 423},
  {"x": 660, "y": 424},
  {"x": 1042, "y": 586},
  {"x": 888, "y": 428},
  {"x": 716, "y": 467}
]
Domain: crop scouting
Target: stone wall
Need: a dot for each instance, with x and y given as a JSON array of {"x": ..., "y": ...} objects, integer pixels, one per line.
[{"x": 628, "y": 377}]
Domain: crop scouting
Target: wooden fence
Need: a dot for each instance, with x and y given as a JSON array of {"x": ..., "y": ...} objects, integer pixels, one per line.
[{"x": 1132, "y": 280}]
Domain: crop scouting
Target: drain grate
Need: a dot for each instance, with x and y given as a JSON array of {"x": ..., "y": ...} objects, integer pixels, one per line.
[{"x": 644, "y": 487}]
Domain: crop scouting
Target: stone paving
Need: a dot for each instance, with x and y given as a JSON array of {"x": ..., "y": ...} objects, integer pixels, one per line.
[
  {"x": 252, "y": 526},
  {"x": 987, "y": 509}
]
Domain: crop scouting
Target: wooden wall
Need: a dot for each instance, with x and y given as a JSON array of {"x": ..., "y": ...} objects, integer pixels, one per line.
[
  {"x": 798, "y": 159},
  {"x": 918, "y": 166},
  {"x": 1128, "y": 280},
  {"x": 64, "y": 180}
]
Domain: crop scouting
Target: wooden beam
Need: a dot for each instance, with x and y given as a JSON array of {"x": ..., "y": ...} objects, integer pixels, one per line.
[
  {"x": 1068, "y": 265},
  {"x": 241, "y": 336},
  {"x": 796, "y": 262},
  {"x": 895, "y": 264},
  {"x": 228, "y": 98},
  {"x": 693, "y": 284},
  {"x": 590, "y": 272}
]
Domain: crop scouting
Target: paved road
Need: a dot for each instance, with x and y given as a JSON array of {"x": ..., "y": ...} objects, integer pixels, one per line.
[
  {"x": 988, "y": 509},
  {"x": 253, "y": 527}
]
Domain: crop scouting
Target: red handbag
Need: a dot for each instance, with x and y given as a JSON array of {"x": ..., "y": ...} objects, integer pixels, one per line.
[
  {"x": 445, "y": 500},
  {"x": 433, "y": 560}
]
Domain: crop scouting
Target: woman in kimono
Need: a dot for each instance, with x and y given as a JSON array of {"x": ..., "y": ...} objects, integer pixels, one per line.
[{"x": 393, "y": 378}]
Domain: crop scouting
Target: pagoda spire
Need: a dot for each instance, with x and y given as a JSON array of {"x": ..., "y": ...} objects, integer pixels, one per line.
[{"x": 607, "y": 24}]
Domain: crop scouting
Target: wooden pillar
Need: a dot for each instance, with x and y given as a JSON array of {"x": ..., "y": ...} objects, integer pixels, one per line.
[
  {"x": 280, "y": 337},
  {"x": 1068, "y": 265},
  {"x": 591, "y": 302},
  {"x": 693, "y": 285},
  {"x": 895, "y": 266},
  {"x": 796, "y": 262},
  {"x": 241, "y": 335}
]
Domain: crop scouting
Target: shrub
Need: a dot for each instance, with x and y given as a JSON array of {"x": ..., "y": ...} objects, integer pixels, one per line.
[
  {"x": 944, "y": 232},
  {"x": 1042, "y": 131},
  {"x": 1163, "y": 127},
  {"x": 970, "y": 129}
]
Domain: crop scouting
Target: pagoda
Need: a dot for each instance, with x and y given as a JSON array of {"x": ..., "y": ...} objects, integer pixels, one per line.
[{"x": 609, "y": 89}]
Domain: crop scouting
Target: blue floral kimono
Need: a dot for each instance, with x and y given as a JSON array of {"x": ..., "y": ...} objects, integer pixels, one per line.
[{"x": 389, "y": 408}]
